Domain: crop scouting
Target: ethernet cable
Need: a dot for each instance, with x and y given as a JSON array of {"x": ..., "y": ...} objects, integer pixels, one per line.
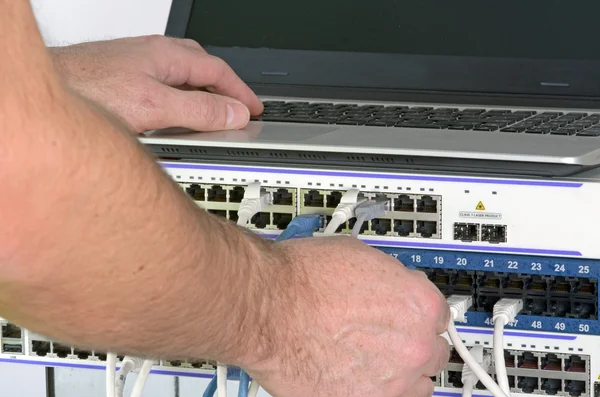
[
  {"x": 111, "y": 365},
  {"x": 254, "y": 201},
  {"x": 505, "y": 311},
  {"x": 344, "y": 211},
  {"x": 301, "y": 226},
  {"x": 244, "y": 384},
  {"x": 254, "y": 386},
  {"x": 221, "y": 380},
  {"x": 458, "y": 308},
  {"x": 128, "y": 365},
  {"x": 140, "y": 382},
  {"x": 366, "y": 212},
  {"x": 211, "y": 388},
  {"x": 469, "y": 378}
]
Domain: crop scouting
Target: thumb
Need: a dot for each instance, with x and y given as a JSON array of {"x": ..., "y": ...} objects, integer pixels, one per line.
[{"x": 204, "y": 111}]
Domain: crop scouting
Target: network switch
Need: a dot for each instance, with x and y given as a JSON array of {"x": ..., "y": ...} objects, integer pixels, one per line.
[{"x": 486, "y": 237}]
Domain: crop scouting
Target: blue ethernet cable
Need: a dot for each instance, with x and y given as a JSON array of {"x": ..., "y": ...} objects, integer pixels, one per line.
[
  {"x": 212, "y": 387},
  {"x": 244, "y": 384},
  {"x": 301, "y": 226}
]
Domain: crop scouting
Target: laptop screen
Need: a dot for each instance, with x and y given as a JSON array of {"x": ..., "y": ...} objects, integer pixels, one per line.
[
  {"x": 533, "y": 49},
  {"x": 544, "y": 29}
]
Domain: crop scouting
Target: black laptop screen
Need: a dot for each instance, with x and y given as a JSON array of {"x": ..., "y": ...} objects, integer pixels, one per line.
[{"x": 539, "y": 29}]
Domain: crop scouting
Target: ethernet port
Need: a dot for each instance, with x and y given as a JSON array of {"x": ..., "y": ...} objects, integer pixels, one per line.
[
  {"x": 381, "y": 227},
  {"x": 535, "y": 307},
  {"x": 551, "y": 362},
  {"x": 455, "y": 379},
  {"x": 339, "y": 229},
  {"x": 560, "y": 286},
  {"x": 82, "y": 354},
  {"x": 493, "y": 233},
  {"x": 233, "y": 216},
  {"x": 11, "y": 331},
  {"x": 101, "y": 356},
  {"x": 236, "y": 195},
  {"x": 514, "y": 284},
  {"x": 40, "y": 348},
  {"x": 14, "y": 348},
  {"x": 61, "y": 351},
  {"x": 485, "y": 303},
  {"x": 333, "y": 199},
  {"x": 217, "y": 194},
  {"x": 283, "y": 197},
  {"x": 583, "y": 310},
  {"x": 490, "y": 282},
  {"x": 427, "y": 204},
  {"x": 313, "y": 198},
  {"x": 559, "y": 307},
  {"x": 536, "y": 285},
  {"x": 426, "y": 228},
  {"x": 509, "y": 359},
  {"x": 219, "y": 213},
  {"x": 551, "y": 386},
  {"x": 527, "y": 384},
  {"x": 404, "y": 203},
  {"x": 363, "y": 227},
  {"x": 586, "y": 288},
  {"x": 404, "y": 228},
  {"x": 575, "y": 388},
  {"x": 282, "y": 220},
  {"x": 455, "y": 357},
  {"x": 261, "y": 220},
  {"x": 196, "y": 192},
  {"x": 527, "y": 361},
  {"x": 575, "y": 364},
  {"x": 466, "y": 232}
]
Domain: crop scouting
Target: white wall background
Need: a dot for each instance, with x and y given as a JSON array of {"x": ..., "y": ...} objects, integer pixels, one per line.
[{"x": 72, "y": 21}]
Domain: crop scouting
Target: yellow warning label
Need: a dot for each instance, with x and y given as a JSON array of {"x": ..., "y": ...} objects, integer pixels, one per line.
[{"x": 480, "y": 206}]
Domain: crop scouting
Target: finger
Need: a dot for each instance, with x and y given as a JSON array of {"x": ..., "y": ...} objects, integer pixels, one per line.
[
  {"x": 423, "y": 388},
  {"x": 189, "y": 43},
  {"x": 203, "y": 111},
  {"x": 198, "y": 69},
  {"x": 441, "y": 356}
]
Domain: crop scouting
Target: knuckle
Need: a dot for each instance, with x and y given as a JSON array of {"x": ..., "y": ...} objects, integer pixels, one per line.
[
  {"x": 421, "y": 353},
  {"x": 209, "y": 112}
]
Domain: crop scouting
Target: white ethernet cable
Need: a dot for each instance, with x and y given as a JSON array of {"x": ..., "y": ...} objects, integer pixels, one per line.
[
  {"x": 140, "y": 382},
  {"x": 111, "y": 367},
  {"x": 368, "y": 211},
  {"x": 255, "y": 200},
  {"x": 221, "y": 380},
  {"x": 253, "y": 391},
  {"x": 344, "y": 211},
  {"x": 469, "y": 378},
  {"x": 505, "y": 311},
  {"x": 458, "y": 308}
]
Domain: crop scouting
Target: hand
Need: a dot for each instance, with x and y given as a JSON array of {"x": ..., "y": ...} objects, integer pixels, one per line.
[
  {"x": 352, "y": 321},
  {"x": 153, "y": 82}
]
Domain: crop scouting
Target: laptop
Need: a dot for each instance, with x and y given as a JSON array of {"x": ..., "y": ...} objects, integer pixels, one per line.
[{"x": 506, "y": 87}]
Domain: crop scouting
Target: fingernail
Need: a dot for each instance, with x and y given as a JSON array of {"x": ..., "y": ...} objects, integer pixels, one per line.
[{"x": 237, "y": 115}]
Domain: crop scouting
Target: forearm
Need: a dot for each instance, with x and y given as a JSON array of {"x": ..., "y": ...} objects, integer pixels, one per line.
[{"x": 101, "y": 249}]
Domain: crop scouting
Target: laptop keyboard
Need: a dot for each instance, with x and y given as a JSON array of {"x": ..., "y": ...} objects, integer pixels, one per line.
[{"x": 520, "y": 121}]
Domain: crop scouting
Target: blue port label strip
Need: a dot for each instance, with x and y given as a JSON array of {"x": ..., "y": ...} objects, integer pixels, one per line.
[{"x": 564, "y": 270}]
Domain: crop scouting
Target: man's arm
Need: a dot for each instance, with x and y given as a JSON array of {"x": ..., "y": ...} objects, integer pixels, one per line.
[{"x": 98, "y": 245}]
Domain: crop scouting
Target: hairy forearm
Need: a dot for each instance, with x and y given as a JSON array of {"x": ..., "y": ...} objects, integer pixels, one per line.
[{"x": 101, "y": 249}]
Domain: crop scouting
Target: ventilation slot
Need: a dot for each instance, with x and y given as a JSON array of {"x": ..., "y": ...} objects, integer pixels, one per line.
[
  {"x": 198, "y": 151},
  {"x": 311, "y": 156},
  {"x": 278, "y": 155},
  {"x": 243, "y": 153},
  {"x": 170, "y": 150}
]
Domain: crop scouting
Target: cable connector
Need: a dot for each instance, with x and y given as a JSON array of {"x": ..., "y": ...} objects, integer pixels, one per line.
[
  {"x": 506, "y": 310},
  {"x": 343, "y": 211},
  {"x": 368, "y": 210},
  {"x": 301, "y": 226},
  {"x": 483, "y": 359},
  {"x": 459, "y": 304},
  {"x": 254, "y": 201}
]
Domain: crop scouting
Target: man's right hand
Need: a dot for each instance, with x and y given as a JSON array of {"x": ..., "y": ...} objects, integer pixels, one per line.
[{"x": 350, "y": 320}]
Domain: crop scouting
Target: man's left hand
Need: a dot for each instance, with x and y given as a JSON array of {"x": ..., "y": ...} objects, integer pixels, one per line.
[{"x": 156, "y": 82}]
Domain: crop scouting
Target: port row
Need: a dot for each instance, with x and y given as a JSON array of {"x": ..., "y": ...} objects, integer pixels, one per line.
[{"x": 550, "y": 296}]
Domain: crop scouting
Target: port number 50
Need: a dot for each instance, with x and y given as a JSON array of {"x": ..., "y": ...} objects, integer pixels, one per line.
[{"x": 584, "y": 328}]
